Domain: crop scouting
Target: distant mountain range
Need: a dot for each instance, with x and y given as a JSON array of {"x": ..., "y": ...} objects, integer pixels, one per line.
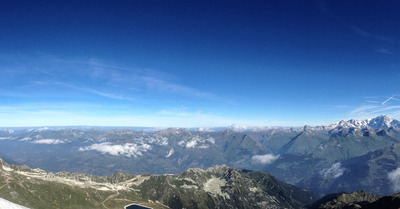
[
  {"x": 379, "y": 122},
  {"x": 345, "y": 156}
]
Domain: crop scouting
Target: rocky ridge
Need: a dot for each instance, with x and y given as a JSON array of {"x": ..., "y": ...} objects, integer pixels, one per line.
[
  {"x": 357, "y": 200},
  {"x": 216, "y": 187}
]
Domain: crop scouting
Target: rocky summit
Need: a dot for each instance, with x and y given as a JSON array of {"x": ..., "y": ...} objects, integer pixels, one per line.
[
  {"x": 357, "y": 200},
  {"x": 216, "y": 187}
]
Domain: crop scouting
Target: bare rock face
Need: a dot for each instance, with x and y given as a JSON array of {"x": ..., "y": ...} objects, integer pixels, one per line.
[
  {"x": 344, "y": 200},
  {"x": 216, "y": 187},
  {"x": 357, "y": 200}
]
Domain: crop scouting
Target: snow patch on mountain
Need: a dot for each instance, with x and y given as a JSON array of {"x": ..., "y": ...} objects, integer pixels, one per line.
[
  {"x": 379, "y": 122},
  {"x": 171, "y": 151},
  {"x": 5, "y": 204}
]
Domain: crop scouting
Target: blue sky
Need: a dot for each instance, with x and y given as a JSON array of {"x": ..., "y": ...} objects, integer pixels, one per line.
[{"x": 197, "y": 63}]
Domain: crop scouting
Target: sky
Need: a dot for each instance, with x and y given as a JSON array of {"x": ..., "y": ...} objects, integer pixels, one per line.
[{"x": 197, "y": 63}]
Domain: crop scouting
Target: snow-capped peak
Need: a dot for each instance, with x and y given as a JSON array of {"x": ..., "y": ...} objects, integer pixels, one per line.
[
  {"x": 379, "y": 122},
  {"x": 382, "y": 121}
]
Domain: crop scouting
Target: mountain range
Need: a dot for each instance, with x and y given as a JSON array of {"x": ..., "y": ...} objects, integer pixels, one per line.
[
  {"x": 216, "y": 187},
  {"x": 345, "y": 156}
]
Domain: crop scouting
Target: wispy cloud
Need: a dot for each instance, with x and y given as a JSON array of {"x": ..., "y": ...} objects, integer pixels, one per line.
[
  {"x": 85, "y": 89},
  {"x": 383, "y": 50},
  {"x": 394, "y": 178},
  {"x": 378, "y": 106},
  {"x": 365, "y": 33},
  {"x": 198, "y": 118},
  {"x": 390, "y": 98},
  {"x": 325, "y": 8},
  {"x": 164, "y": 86},
  {"x": 336, "y": 170},
  {"x": 385, "y": 44},
  {"x": 94, "y": 76},
  {"x": 66, "y": 114}
]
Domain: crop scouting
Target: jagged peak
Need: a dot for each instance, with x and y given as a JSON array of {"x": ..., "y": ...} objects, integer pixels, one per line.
[
  {"x": 306, "y": 127},
  {"x": 218, "y": 168},
  {"x": 384, "y": 116},
  {"x": 2, "y": 162},
  {"x": 174, "y": 131},
  {"x": 379, "y": 122},
  {"x": 210, "y": 169}
]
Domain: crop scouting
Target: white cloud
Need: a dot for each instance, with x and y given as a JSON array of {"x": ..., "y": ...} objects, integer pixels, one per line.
[
  {"x": 128, "y": 149},
  {"x": 191, "y": 144},
  {"x": 25, "y": 139},
  {"x": 204, "y": 146},
  {"x": 264, "y": 159},
  {"x": 211, "y": 140},
  {"x": 394, "y": 178},
  {"x": 198, "y": 142},
  {"x": 90, "y": 90},
  {"x": 165, "y": 86},
  {"x": 49, "y": 141},
  {"x": 334, "y": 171}
]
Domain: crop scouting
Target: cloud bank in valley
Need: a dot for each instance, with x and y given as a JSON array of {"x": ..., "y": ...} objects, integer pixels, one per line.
[
  {"x": 264, "y": 159},
  {"x": 191, "y": 144},
  {"x": 394, "y": 178},
  {"x": 198, "y": 142},
  {"x": 128, "y": 149},
  {"x": 334, "y": 171},
  {"x": 49, "y": 141}
]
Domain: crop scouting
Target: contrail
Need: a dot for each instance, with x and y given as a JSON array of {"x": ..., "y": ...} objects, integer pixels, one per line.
[{"x": 390, "y": 98}]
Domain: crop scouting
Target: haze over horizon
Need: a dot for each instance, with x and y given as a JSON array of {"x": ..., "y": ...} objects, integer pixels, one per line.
[{"x": 196, "y": 64}]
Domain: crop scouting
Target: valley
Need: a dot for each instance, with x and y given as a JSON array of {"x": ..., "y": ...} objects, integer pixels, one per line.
[
  {"x": 216, "y": 187},
  {"x": 113, "y": 167}
]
